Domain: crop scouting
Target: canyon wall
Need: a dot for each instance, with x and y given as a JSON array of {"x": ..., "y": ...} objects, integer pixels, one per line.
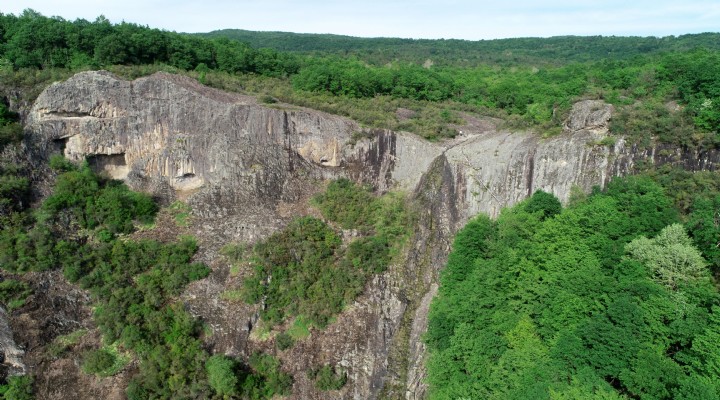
[{"x": 246, "y": 169}]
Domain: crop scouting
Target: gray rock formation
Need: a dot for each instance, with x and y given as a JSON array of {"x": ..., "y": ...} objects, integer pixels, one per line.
[
  {"x": 246, "y": 169},
  {"x": 12, "y": 363}
]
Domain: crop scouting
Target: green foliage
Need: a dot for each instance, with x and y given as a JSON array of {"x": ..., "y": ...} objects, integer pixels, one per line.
[
  {"x": 695, "y": 194},
  {"x": 31, "y": 40},
  {"x": 263, "y": 380},
  {"x": 642, "y": 122},
  {"x": 299, "y": 329},
  {"x": 294, "y": 274},
  {"x": 345, "y": 203},
  {"x": 704, "y": 225},
  {"x": 697, "y": 77},
  {"x": 82, "y": 204},
  {"x": 580, "y": 305},
  {"x": 63, "y": 343},
  {"x": 97, "y": 203},
  {"x": 530, "y": 82},
  {"x": 284, "y": 341},
  {"x": 10, "y": 133},
  {"x": 18, "y": 388},
  {"x": 645, "y": 202},
  {"x": 61, "y": 164},
  {"x": 13, "y": 293},
  {"x": 14, "y": 188},
  {"x": 471, "y": 243},
  {"x": 132, "y": 283},
  {"x": 303, "y": 270},
  {"x": 543, "y": 202},
  {"x": 14, "y": 191},
  {"x": 531, "y": 51},
  {"x": 268, "y": 379},
  {"x": 221, "y": 375},
  {"x": 326, "y": 378},
  {"x": 99, "y": 362},
  {"x": 267, "y": 99},
  {"x": 10, "y": 128},
  {"x": 670, "y": 257},
  {"x": 181, "y": 213},
  {"x": 234, "y": 251}
]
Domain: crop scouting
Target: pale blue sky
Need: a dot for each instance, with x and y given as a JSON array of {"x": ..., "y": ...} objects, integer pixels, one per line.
[{"x": 461, "y": 19}]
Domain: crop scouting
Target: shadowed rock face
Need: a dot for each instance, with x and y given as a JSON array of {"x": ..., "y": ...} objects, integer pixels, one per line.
[{"x": 246, "y": 169}]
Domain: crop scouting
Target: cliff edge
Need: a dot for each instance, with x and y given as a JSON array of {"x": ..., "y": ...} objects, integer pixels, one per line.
[{"x": 247, "y": 169}]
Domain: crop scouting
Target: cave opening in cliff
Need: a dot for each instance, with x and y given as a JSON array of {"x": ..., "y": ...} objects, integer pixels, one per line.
[
  {"x": 113, "y": 165},
  {"x": 60, "y": 144}
]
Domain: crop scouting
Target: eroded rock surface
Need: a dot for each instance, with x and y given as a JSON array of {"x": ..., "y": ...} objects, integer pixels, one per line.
[
  {"x": 247, "y": 169},
  {"x": 12, "y": 362}
]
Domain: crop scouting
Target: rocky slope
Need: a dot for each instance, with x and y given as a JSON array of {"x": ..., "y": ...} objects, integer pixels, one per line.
[{"x": 246, "y": 169}]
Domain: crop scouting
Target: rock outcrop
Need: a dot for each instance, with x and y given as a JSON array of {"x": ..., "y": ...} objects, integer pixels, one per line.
[
  {"x": 246, "y": 169},
  {"x": 12, "y": 363}
]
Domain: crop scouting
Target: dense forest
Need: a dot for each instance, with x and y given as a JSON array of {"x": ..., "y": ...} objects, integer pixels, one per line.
[
  {"x": 554, "y": 50},
  {"x": 612, "y": 296}
]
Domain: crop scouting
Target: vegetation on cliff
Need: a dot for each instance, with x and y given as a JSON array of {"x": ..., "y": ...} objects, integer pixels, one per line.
[
  {"x": 81, "y": 228},
  {"x": 609, "y": 298},
  {"x": 304, "y": 270}
]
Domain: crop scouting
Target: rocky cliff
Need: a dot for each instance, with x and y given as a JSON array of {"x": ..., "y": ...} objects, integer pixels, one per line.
[{"x": 246, "y": 169}]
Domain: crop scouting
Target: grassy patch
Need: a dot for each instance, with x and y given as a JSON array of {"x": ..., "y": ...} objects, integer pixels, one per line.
[
  {"x": 106, "y": 361},
  {"x": 181, "y": 213},
  {"x": 63, "y": 343},
  {"x": 300, "y": 328},
  {"x": 235, "y": 253},
  {"x": 261, "y": 331},
  {"x": 232, "y": 295}
]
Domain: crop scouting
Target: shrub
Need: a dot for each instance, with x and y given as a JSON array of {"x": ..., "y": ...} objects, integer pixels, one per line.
[
  {"x": 327, "y": 379},
  {"x": 60, "y": 164},
  {"x": 545, "y": 202},
  {"x": 98, "y": 362},
  {"x": 221, "y": 375},
  {"x": 18, "y": 388},
  {"x": 13, "y": 293},
  {"x": 284, "y": 341},
  {"x": 346, "y": 203},
  {"x": 268, "y": 379}
]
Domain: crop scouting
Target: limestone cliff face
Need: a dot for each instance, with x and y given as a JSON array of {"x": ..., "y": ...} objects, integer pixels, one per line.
[{"x": 246, "y": 169}]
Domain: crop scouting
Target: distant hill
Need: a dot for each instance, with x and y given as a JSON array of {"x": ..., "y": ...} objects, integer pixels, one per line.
[{"x": 554, "y": 50}]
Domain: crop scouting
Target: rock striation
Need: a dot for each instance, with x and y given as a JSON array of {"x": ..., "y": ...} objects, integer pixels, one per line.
[{"x": 246, "y": 169}]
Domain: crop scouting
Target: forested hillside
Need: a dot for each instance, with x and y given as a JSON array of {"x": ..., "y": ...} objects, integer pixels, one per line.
[
  {"x": 611, "y": 297},
  {"x": 533, "y": 89},
  {"x": 557, "y": 50}
]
